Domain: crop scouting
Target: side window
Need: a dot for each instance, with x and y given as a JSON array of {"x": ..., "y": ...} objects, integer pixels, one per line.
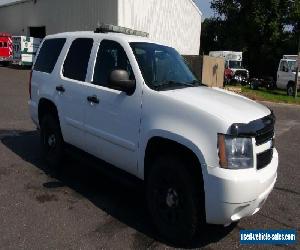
[
  {"x": 5, "y": 45},
  {"x": 49, "y": 54},
  {"x": 76, "y": 63},
  {"x": 284, "y": 66},
  {"x": 111, "y": 56},
  {"x": 1, "y": 45}
]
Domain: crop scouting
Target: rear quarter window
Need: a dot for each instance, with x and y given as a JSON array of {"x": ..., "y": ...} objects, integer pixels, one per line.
[{"x": 49, "y": 54}]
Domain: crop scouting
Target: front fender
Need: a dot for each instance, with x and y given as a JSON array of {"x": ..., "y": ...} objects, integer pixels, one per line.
[{"x": 173, "y": 137}]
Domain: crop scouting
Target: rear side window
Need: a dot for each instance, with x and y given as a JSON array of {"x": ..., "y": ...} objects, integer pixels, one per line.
[
  {"x": 76, "y": 63},
  {"x": 49, "y": 54}
]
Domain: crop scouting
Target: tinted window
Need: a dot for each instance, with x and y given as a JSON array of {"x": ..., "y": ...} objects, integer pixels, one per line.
[
  {"x": 0, "y": 44},
  {"x": 76, "y": 63},
  {"x": 49, "y": 54},
  {"x": 5, "y": 44},
  {"x": 111, "y": 56}
]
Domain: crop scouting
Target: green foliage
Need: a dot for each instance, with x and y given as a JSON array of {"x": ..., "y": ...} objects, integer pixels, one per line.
[
  {"x": 263, "y": 29},
  {"x": 262, "y": 94}
]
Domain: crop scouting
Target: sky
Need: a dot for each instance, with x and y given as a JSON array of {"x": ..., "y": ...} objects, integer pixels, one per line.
[{"x": 204, "y": 6}]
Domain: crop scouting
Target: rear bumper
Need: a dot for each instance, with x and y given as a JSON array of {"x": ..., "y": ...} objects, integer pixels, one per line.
[
  {"x": 230, "y": 198},
  {"x": 5, "y": 59}
]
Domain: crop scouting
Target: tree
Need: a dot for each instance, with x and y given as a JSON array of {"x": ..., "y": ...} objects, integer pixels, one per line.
[{"x": 263, "y": 29}]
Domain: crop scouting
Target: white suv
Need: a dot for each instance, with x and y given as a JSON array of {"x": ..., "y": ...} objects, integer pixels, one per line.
[{"x": 206, "y": 155}]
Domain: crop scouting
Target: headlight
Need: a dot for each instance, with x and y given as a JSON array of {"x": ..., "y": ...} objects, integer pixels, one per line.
[{"x": 235, "y": 152}]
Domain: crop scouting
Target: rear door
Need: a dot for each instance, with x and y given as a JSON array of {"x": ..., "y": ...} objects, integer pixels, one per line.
[
  {"x": 5, "y": 48},
  {"x": 71, "y": 91},
  {"x": 17, "y": 55}
]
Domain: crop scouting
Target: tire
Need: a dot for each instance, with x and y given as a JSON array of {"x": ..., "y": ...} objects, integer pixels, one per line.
[
  {"x": 52, "y": 142},
  {"x": 290, "y": 90},
  {"x": 175, "y": 200},
  {"x": 271, "y": 86}
]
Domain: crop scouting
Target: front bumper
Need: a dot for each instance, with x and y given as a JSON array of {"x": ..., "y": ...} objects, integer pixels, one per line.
[
  {"x": 5, "y": 59},
  {"x": 232, "y": 195}
]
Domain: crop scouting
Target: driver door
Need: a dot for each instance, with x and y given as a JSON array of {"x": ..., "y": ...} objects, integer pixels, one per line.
[
  {"x": 283, "y": 75},
  {"x": 112, "y": 118}
]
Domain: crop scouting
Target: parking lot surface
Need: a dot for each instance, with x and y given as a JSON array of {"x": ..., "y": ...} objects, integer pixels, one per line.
[{"x": 78, "y": 207}]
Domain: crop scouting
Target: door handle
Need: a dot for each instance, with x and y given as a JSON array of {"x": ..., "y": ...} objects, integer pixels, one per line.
[
  {"x": 93, "y": 99},
  {"x": 60, "y": 88}
]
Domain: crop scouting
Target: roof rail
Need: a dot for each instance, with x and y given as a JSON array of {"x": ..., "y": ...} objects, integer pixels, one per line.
[
  {"x": 105, "y": 28},
  {"x": 290, "y": 57}
]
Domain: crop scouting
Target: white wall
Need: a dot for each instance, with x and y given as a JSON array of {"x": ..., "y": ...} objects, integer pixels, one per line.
[
  {"x": 173, "y": 22},
  {"x": 57, "y": 15}
]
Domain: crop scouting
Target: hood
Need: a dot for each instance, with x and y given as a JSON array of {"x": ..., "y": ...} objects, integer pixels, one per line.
[{"x": 223, "y": 104}]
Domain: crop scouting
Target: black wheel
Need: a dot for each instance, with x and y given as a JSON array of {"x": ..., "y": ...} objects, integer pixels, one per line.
[
  {"x": 290, "y": 89},
  {"x": 175, "y": 200},
  {"x": 52, "y": 143},
  {"x": 271, "y": 85}
]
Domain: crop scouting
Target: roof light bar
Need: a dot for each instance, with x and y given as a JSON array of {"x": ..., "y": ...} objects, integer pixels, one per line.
[{"x": 104, "y": 28}]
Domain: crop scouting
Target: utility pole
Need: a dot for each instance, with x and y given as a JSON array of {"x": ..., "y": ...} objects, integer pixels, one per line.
[{"x": 297, "y": 79}]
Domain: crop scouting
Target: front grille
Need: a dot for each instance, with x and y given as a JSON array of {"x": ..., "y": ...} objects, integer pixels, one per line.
[
  {"x": 264, "y": 158},
  {"x": 264, "y": 136},
  {"x": 266, "y": 131},
  {"x": 241, "y": 73}
]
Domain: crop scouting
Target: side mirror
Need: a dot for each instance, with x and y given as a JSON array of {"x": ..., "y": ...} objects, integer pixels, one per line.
[{"x": 119, "y": 80}]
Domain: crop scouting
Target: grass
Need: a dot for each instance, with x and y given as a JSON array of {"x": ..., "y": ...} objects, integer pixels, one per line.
[{"x": 262, "y": 94}]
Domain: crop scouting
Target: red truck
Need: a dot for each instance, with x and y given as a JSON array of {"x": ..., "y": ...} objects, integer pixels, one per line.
[{"x": 6, "y": 48}]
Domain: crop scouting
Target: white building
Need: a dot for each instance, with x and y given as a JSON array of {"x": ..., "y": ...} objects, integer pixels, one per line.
[{"x": 173, "y": 22}]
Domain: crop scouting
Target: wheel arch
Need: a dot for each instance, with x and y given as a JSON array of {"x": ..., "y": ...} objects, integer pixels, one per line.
[
  {"x": 46, "y": 106},
  {"x": 291, "y": 82},
  {"x": 157, "y": 145}
]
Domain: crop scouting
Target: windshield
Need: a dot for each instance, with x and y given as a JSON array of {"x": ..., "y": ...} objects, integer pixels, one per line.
[
  {"x": 292, "y": 65},
  {"x": 162, "y": 67},
  {"x": 235, "y": 65}
]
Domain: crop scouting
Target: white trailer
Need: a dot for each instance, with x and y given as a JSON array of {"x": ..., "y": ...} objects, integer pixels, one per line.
[
  {"x": 234, "y": 70},
  {"x": 24, "y": 50},
  {"x": 228, "y": 55}
]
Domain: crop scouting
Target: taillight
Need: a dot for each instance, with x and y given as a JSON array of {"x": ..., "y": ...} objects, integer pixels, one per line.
[{"x": 30, "y": 77}]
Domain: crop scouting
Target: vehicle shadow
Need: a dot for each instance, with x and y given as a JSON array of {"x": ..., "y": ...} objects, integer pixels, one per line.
[{"x": 122, "y": 200}]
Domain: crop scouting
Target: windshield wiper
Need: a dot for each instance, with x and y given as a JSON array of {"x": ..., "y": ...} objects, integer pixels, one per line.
[
  {"x": 171, "y": 83},
  {"x": 197, "y": 83}
]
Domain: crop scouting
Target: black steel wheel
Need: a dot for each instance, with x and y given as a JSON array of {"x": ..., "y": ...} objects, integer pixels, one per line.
[
  {"x": 52, "y": 143},
  {"x": 175, "y": 200},
  {"x": 290, "y": 89}
]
